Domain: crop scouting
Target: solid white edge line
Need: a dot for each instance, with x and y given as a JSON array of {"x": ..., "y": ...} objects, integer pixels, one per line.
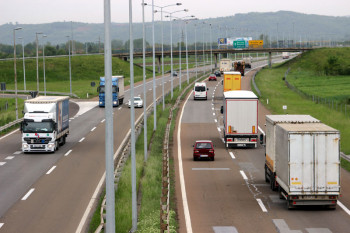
[
  {"x": 82, "y": 139},
  {"x": 95, "y": 195},
  {"x": 119, "y": 108},
  {"x": 343, "y": 207},
  {"x": 1, "y": 224},
  {"x": 28, "y": 194},
  {"x": 103, "y": 120},
  {"x": 219, "y": 129},
  {"x": 232, "y": 155},
  {"x": 49, "y": 171},
  {"x": 93, "y": 129},
  {"x": 262, "y": 131},
  {"x": 181, "y": 174},
  {"x": 9, "y": 134},
  {"x": 261, "y": 204},
  {"x": 2, "y": 163},
  {"x": 243, "y": 175},
  {"x": 215, "y": 120},
  {"x": 66, "y": 154}
]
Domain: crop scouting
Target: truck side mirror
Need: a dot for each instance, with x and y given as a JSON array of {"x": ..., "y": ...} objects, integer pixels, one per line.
[
  {"x": 21, "y": 127},
  {"x": 207, "y": 89},
  {"x": 222, "y": 82},
  {"x": 261, "y": 138},
  {"x": 222, "y": 109}
]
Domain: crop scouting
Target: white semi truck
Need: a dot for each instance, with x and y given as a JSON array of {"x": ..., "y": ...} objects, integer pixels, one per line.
[
  {"x": 240, "y": 109},
  {"x": 307, "y": 159},
  {"x": 46, "y": 123}
]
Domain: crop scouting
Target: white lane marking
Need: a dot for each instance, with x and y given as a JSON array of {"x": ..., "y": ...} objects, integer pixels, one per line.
[
  {"x": 49, "y": 171},
  {"x": 150, "y": 89},
  {"x": 2, "y": 163},
  {"x": 212, "y": 108},
  {"x": 82, "y": 139},
  {"x": 72, "y": 118},
  {"x": 219, "y": 129},
  {"x": 216, "y": 121},
  {"x": 213, "y": 113},
  {"x": 17, "y": 152},
  {"x": 9, "y": 157},
  {"x": 119, "y": 108},
  {"x": 261, "y": 130},
  {"x": 28, "y": 194},
  {"x": 103, "y": 120},
  {"x": 243, "y": 175},
  {"x": 66, "y": 154},
  {"x": 343, "y": 207},
  {"x": 223, "y": 140},
  {"x": 93, "y": 129},
  {"x": 261, "y": 204},
  {"x": 232, "y": 155},
  {"x": 182, "y": 179},
  {"x": 210, "y": 169},
  {"x": 9, "y": 134},
  {"x": 1, "y": 224}
]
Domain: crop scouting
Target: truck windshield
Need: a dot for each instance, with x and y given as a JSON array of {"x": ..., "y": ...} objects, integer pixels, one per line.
[
  {"x": 37, "y": 127},
  {"x": 102, "y": 89}
]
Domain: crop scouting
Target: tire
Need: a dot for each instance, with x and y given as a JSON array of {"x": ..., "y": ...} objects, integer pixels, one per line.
[
  {"x": 266, "y": 175},
  {"x": 272, "y": 183},
  {"x": 194, "y": 159},
  {"x": 212, "y": 159},
  {"x": 280, "y": 193},
  {"x": 57, "y": 145},
  {"x": 290, "y": 205}
]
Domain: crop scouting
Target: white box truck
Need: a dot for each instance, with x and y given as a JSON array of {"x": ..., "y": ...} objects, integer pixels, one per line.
[
  {"x": 46, "y": 123},
  {"x": 270, "y": 156},
  {"x": 308, "y": 164},
  {"x": 225, "y": 65},
  {"x": 240, "y": 109}
]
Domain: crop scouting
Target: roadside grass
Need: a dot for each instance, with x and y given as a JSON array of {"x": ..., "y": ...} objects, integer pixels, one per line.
[
  {"x": 345, "y": 164},
  {"x": 9, "y": 115},
  {"x": 273, "y": 88}
]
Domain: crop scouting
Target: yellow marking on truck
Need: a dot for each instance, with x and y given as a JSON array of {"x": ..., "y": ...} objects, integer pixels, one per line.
[
  {"x": 332, "y": 182},
  {"x": 269, "y": 162},
  {"x": 296, "y": 183}
]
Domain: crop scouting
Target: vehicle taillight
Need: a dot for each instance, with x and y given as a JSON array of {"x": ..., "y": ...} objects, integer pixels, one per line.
[
  {"x": 211, "y": 151},
  {"x": 332, "y": 197},
  {"x": 229, "y": 139},
  {"x": 196, "y": 151},
  {"x": 295, "y": 197},
  {"x": 253, "y": 139}
]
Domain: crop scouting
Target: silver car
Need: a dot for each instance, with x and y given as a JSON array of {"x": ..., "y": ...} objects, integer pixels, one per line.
[{"x": 138, "y": 102}]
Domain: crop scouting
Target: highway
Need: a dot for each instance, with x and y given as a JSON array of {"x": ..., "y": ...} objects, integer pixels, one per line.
[
  {"x": 230, "y": 194},
  {"x": 51, "y": 192}
]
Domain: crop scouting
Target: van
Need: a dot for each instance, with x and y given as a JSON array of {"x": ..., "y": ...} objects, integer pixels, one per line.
[{"x": 200, "y": 91}]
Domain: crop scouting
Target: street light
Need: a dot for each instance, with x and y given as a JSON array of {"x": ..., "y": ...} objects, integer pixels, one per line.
[
  {"x": 44, "y": 65},
  {"x": 37, "y": 61},
  {"x": 144, "y": 82},
  {"x": 211, "y": 50},
  {"x": 14, "y": 56},
  {"x": 70, "y": 69},
  {"x": 161, "y": 20},
  {"x": 24, "y": 66},
  {"x": 171, "y": 47}
]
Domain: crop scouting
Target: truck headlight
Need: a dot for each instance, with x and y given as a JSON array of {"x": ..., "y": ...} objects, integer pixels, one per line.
[
  {"x": 50, "y": 146},
  {"x": 25, "y": 146},
  {"x": 114, "y": 102},
  {"x": 100, "y": 102}
]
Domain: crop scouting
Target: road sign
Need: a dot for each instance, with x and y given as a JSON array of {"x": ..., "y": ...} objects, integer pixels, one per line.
[
  {"x": 256, "y": 43},
  {"x": 222, "y": 41},
  {"x": 239, "y": 44}
]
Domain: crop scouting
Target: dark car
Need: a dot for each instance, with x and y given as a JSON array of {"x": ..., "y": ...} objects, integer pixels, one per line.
[
  {"x": 174, "y": 73},
  {"x": 217, "y": 73},
  {"x": 203, "y": 149},
  {"x": 212, "y": 77}
]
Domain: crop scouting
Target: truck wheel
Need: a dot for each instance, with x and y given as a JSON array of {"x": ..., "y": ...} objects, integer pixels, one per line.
[
  {"x": 57, "y": 145},
  {"x": 273, "y": 183},
  {"x": 266, "y": 176},
  {"x": 280, "y": 192},
  {"x": 290, "y": 205}
]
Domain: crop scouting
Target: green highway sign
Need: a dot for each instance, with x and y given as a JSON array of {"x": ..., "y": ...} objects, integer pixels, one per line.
[{"x": 239, "y": 44}]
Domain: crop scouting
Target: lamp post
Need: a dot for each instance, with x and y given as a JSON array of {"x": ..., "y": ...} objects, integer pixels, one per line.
[
  {"x": 24, "y": 65},
  {"x": 144, "y": 82},
  {"x": 154, "y": 72},
  {"x": 211, "y": 50},
  {"x": 195, "y": 48},
  {"x": 37, "y": 62},
  {"x": 44, "y": 65},
  {"x": 161, "y": 20},
  {"x": 70, "y": 68},
  {"x": 15, "y": 68},
  {"x": 171, "y": 47},
  {"x": 203, "y": 51}
]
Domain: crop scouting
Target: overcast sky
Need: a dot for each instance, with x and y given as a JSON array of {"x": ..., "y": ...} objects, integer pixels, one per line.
[{"x": 91, "y": 11}]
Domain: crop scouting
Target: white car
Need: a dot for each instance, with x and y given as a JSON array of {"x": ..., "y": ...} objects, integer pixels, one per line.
[{"x": 138, "y": 102}]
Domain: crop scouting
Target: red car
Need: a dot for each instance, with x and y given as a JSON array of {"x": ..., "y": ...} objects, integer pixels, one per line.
[
  {"x": 203, "y": 149},
  {"x": 212, "y": 77}
]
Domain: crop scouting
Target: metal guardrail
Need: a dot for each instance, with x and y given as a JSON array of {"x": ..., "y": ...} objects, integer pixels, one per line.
[{"x": 2, "y": 128}]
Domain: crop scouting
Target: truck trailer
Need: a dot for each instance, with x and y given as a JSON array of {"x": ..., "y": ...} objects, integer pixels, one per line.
[
  {"x": 225, "y": 65},
  {"x": 232, "y": 81},
  {"x": 46, "y": 123},
  {"x": 239, "y": 66},
  {"x": 117, "y": 91},
  {"x": 270, "y": 155},
  {"x": 308, "y": 164},
  {"x": 240, "y": 109}
]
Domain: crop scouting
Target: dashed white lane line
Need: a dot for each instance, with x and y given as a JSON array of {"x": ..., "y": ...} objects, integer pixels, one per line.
[
  {"x": 262, "y": 131},
  {"x": 210, "y": 169},
  {"x": 103, "y": 120},
  {"x": 9, "y": 157},
  {"x": 2, "y": 163},
  {"x": 343, "y": 207},
  {"x": 216, "y": 121},
  {"x": 232, "y": 155},
  {"x": 223, "y": 140},
  {"x": 66, "y": 154},
  {"x": 17, "y": 152},
  {"x": 82, "y": 139},
  {"x": 150, "y": 89},
  {"x": 1, "y": 224},
  {"x": 119, "y": 108},
  {"x": 72, "y": 118},
  {"x": 219, "y": 129},
  {"x": 212, "y": 108},
  {"x": 9, "y": 134},
  {"x": 49, "y": 171},
  {"x": 93, "y": 129},
  {"x": 213, "y": 113},
  {"x": 261, "y": 204},
  {"x": 27, "y": 195},
  {"x": 243, "y": 175}
]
